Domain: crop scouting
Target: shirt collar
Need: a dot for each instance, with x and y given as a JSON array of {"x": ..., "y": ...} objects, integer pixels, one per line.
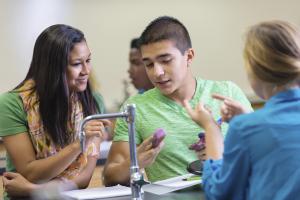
[
  {"x": 287, "y": 95},
  {"x": 141, "y": 91}
]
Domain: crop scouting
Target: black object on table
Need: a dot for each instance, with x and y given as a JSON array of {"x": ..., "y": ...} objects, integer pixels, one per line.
[{"x": 195, "y": 167}]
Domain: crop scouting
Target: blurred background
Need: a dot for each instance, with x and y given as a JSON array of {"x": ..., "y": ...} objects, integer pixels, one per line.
[{"x": 216, "y": 28}]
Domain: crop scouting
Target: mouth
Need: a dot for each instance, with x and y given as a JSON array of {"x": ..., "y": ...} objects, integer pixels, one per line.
[
  {"x": 82, "y": 80},
  {"x": 162, "y": 83},
  {"x": 132, "y": 80}
]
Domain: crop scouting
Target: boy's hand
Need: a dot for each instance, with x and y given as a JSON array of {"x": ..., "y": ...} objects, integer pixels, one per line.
[
  {"x": 201, "y": 114},
  {"x": 146, "y": 153}
]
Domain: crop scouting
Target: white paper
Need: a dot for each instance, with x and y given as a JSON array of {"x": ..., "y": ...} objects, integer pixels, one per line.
[
  {"x": 98, "y": 193},
  {"x": 170, "y": 185},
  {"x": 179, "y": 182}
]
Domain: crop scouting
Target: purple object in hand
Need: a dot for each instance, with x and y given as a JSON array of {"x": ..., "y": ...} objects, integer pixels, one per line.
[
  {"x": 198, "y": 146},
  {"x": 158, "y": 136}
]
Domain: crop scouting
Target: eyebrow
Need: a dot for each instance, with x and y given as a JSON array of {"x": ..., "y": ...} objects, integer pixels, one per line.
[
  {"x": 158, "y": 57},
  {"x": 76, "y": 59}
]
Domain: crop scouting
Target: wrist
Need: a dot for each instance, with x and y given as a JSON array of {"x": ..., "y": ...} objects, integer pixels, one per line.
[
  {"x": 75, "y": 146},
  {"x": 209, "y": 124},
  {"x": 33, "y": 188}
]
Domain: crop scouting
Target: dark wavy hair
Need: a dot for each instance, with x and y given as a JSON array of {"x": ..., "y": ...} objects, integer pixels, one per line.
[{"x": 48, "y": 69}]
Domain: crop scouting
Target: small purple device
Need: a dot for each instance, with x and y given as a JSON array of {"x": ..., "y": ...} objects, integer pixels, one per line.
[
  {"x": 158, "y": 136},
  {"x": 198, "y": 146}
]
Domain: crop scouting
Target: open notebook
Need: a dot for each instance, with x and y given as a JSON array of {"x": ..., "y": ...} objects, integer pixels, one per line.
[{"x": 173, "y": 184}]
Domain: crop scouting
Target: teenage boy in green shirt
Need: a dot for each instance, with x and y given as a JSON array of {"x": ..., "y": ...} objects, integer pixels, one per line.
[{"x": 167, "y": 55}]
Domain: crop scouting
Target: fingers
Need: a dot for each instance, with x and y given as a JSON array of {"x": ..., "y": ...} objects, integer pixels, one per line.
[
  {"x": 146, "y": 144},
  {"x": 10, "y": 175},
  {"x": 232, "y": 104},
  {"x": 94, "y": 128},
  {"x": 105, "y": 122},
  {"x": 226, "y": 113},
  {"x": 206, "y": 107},
  {"x": 229, "y": 108},
  {"x": 220, "y": 97},
  {"x": 188, "y": 107},
  {"x": 235, "y": 106},
  {"x": 199, "y": 107},
  {"x": 201, "y": 154},
  {"x": 4, "y": 181},
  {"x": 148, "y": 141},
  {"x": 226, "y": 100},
  {"x": 147, "y": 157}
]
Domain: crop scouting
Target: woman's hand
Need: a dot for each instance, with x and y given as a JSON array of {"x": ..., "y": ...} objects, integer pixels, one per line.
[
  {"x": 230, "y": 107},
  {"x": 96, "y": 128},
  {"x": 16, "y": 185}
]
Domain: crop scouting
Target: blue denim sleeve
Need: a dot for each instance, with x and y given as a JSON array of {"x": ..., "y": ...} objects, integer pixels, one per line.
[
  {"x": 228, "y": 178},
  {"x": 210, "y": 166}
]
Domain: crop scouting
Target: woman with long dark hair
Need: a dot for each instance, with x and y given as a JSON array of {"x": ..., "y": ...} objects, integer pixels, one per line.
[{"x": 39, "y": 119}]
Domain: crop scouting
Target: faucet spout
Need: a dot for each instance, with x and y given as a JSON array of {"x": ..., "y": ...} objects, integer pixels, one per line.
[{"x": 136, "y": 177}]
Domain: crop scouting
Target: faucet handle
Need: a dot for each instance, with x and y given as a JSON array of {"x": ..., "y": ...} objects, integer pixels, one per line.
[
  {"x": 142, "y": 182},
  {"x": 137, "y": 178}
]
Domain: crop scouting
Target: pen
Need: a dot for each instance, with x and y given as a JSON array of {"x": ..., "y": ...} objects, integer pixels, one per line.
[
  {"x": 192, "y": 178},
  {"x": 219, "y": 121}
]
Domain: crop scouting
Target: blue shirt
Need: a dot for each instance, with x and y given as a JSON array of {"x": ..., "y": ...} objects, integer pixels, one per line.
[{"x": 261, "y": 157}]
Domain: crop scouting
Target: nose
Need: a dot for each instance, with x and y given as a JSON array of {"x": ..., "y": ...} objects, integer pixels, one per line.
[
  {"x": 130, "y": 70},
  {"x": 158, "y": 70},
  {"x": 86, "y": 68}
]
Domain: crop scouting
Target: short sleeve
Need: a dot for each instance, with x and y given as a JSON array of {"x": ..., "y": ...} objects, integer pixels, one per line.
[
  {"x": 13, "y": 118},
  {"x": 121, "y": 131}
]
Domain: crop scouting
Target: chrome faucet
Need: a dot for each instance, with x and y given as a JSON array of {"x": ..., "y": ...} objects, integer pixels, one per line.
[{"x": 136, "y": 177}]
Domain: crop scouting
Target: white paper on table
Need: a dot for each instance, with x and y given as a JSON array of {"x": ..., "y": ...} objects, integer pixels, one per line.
[
  {"x": 170, "y": 185},
  {"x": 98, "y": 193}
]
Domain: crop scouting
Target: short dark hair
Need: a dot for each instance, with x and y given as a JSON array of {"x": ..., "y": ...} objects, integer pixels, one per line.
[
  {"x": 135, "y": 43},
  {"x": 167, "y": 28}
]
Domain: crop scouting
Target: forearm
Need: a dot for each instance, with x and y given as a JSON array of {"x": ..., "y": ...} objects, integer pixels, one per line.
[
  {"x": 46, "y": 169},
  {"x": 82, "y": 181},
  {"x": 214, "y": 142},
  {"x": 31, "y": 188},
  {"x": 26, "y": 190},
  {"x": 117, "y": 173}
]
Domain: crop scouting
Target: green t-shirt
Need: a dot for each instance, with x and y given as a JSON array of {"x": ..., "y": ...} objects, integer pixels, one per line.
[
  {"x": 154, "y": 110},
  {"x": 13, "y": 118}
]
